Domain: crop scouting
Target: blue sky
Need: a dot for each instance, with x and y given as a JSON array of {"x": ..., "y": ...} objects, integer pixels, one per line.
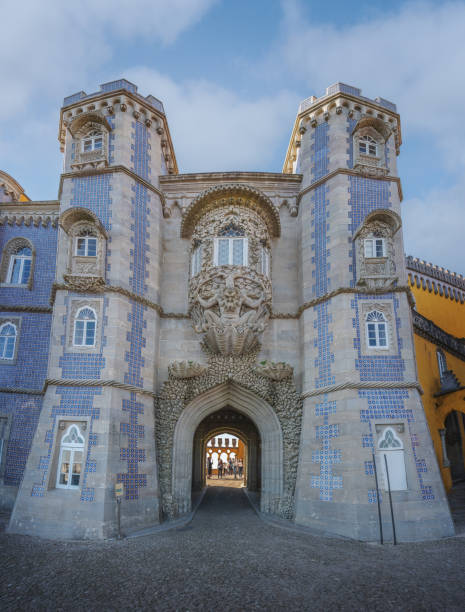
[{"x": 231, "y": 75}]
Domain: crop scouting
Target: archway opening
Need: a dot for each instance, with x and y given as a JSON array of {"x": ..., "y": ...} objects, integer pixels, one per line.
[
  {"x": 226, "y": 451},
  {"x": 455, "y": 445}
]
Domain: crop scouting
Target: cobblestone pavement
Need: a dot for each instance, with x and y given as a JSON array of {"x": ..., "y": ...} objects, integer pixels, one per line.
[{"x": 228, "y": 558}]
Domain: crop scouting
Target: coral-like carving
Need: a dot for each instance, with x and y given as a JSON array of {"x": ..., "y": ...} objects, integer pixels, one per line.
[
  {"x": 231, "y": 305},
  {"x": 85, "y": 283},
  {"x": 274, "y": 370},
  {"x": 186, "y": 369}
]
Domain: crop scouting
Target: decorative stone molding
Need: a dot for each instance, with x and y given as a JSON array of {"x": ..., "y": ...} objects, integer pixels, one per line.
[
  {"x": 74, "y": 306},
  {"x": 92, "y": 284},
  {"x": 377, "y": 272},
  {"x": 434, "y": 278},
  {"x": 431, "y": 332},
  {"x": 186, "y": 369},
  {"x": 274, "y": 370},
  {"x": 233, "y": 194},
  {"x": 11, "y": 188},
  {"x": 80, "y": 127},
  {"x": 231, "y": 306},
  {"x": 281, "y": 395},
  {"x": 21, "y": 216},
  {"x": 385, "y": 307}
]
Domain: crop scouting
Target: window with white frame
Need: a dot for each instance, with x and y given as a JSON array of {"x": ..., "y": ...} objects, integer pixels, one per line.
[
  {"x": 85, "y": 325},
  {"x": 86, "y": 244},
  {"x": 375, "y": 247},
  {"x": 71, "y": 459},
  {"x": 92, "y": 142},
  {"x": 8, "y": 334},
  {"x": 390, "y": 461},
  {"x": 20, "y": 265},
  {"x": 231, "y": 248},
  {"x": 196, "y": 260},
  {"x": 367, "y": 146},
  {"x": 376, "y": 328},
  {"x": 265, "y": 261}
]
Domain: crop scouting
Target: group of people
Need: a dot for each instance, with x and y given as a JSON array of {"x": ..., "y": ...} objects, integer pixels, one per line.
[{"x": 232, "y": 467}]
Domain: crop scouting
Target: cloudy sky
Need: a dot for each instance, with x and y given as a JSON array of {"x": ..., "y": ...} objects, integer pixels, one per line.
[{"x": 231, "y": 75}]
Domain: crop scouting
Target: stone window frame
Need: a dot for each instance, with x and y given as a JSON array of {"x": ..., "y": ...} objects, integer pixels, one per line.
[
  {"x": 84, "y": 271},
  {"x": 196, "y": 259},
  {"x": 231, "y": 239},
  {"x": 373, "y": 240},
  {"x": 82, "y": 128},
  {"x": 8, "y": 253},
  {"x": 61, "y": 427},
  {"x": 379, "y": 131},
  {"x": 377, "y": 325},
  {"x": 74, "y": 307},
  {"x": 16, "y": 321},
  {"x": 72, "y": 448},
  {"x": 386, "y": 307},
  {"x": 210, "y": 225},
  {"x": 377, "y": 272}
]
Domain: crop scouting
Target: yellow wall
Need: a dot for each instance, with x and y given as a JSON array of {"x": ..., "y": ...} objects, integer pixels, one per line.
[
  {"x": 437, "y": 408},
  {"x": 447, "y": 314}
]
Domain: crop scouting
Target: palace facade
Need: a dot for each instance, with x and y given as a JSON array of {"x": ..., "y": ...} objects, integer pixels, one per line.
[{"x": 146, "y": 311}]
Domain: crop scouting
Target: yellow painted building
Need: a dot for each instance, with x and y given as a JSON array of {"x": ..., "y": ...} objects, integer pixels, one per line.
[{"x": 439, "y": 326}]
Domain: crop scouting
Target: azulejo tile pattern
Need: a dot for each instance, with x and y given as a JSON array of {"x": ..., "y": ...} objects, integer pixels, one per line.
[
  {"x": 93, "y": 192},
  {"x": 320, "y": 151},
  {"x": 327, "y": 456},
  {"x": 389, "y": 404},
  {"x": 377, "y": 367},
  {"x": 322, "y": 342},
  {"x": 139, "y": 261},
  {"x": 75, "y": 403}
]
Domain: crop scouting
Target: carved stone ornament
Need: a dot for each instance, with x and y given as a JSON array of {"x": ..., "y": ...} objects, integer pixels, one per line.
[
  {"x": 231, "y": 306},
  {"x": 93, "y": 284},
  {"x": 186, "y": 369},
  {"x": 376, "y": 272},
  {"x": 274, "y": 370}
]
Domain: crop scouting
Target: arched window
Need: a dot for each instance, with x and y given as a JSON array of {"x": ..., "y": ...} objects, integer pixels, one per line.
[
  {"x": 19, "y": 268},
  {"x": 231, "y": 247},
  {"x": 85, "y": 325},
  {"x": 8, "y": 333},
  {"x": 442, "y": 363},
  {"x": 86, "y": 244},
  {"x": 71, "y": 459},
  {"x": 368, "y": 146},
  {"x": 92, "y": 142},
  {"x": 196, "y": 260},
  {"x": 376, "y": 327}
]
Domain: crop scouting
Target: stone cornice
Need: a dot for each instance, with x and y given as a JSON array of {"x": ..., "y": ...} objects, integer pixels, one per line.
[
  {"x": 349, "y": 172},
  {"x": 378, "y": 384},
  {"x": 427, "y": 329},
  {"x": 112, "y": 170},
  {"x": 244, "y": 177},
  {"x": 27, "y": 213}
]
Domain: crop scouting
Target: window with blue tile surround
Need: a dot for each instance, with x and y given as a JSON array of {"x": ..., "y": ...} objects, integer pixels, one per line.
[
  {"x": 327, "y": 456},
  {"x": 75, "y": 403},
  {"x": 389, "y": 404},
  {"x": 377, "y": 367}
]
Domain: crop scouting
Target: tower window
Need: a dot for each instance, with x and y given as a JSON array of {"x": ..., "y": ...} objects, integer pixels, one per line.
[
  {"x": 376, "y": 328},
  {"x": 375, "y": 247},
  {"x": 20, "y": 266},
  {"x": 442, "y": 363},
  {"x": 367, "y": 146},
  {"x": 8, "y": 333},
  {"x": 92, "y": 142},
  {"x": 231, "y": 248},
  {"x": 390, "y": 454},
  {"x": 86, "y": 246},
  {"x": 71, "y": 456},
  {"x": 85, "y": 327},
  {"x": 265, "y": 261}
]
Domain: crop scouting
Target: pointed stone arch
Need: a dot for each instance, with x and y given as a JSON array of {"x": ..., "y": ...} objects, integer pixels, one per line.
[{"x": 259, "y": 411}]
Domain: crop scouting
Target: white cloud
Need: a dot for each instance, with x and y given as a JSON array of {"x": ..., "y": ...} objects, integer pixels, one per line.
[
  {"x": 216, "y": 129},
  {"x": 434, "y": 227},
  {"x": 47, "y": 47}
]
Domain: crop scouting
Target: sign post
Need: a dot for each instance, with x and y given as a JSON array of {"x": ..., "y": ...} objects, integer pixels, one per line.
[{"x": 119, "y": 494}]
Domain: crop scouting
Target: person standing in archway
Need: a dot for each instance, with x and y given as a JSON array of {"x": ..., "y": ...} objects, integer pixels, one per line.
[
  {"x": 241, "y": 467},
  {"x": 220, "y": 468},
  {"x": 209, "y": 466}
]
